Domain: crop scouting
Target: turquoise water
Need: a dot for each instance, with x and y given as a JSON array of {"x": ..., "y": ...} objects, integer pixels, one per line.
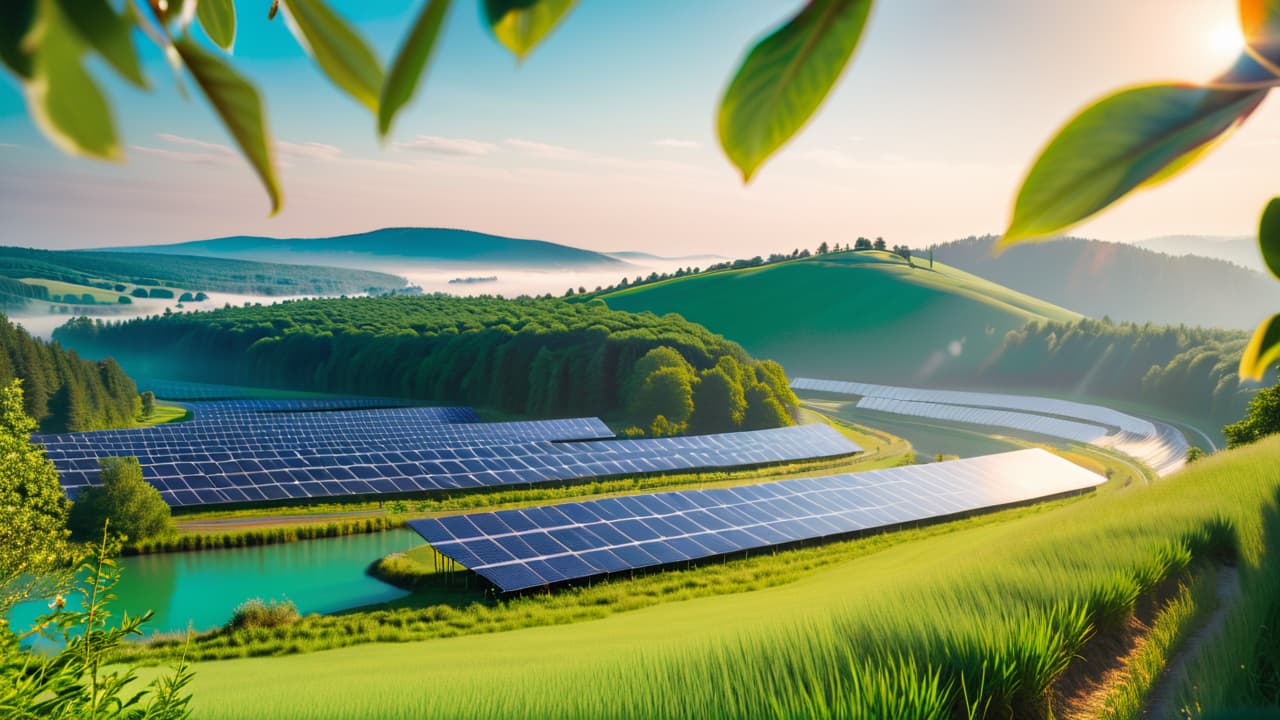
[{"x": 201, "y": 589}]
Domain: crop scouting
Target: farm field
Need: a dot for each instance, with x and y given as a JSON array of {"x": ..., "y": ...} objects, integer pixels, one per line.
[{"x": 1081, "y": 564}]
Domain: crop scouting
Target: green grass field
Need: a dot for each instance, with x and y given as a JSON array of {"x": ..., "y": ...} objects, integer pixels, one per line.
[
  {"x": 850, "y": 314},
  {"x": 165, "y": 414},
  {"x": 983, "y": 618},
  {"x": 55, "y": 287}
]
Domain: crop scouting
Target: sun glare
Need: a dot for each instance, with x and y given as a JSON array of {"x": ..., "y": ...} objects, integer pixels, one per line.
[{"x": 1226, "y": 42}]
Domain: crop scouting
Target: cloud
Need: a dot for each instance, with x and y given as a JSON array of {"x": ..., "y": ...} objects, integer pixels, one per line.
[
  {"x": 435, "y": 145},
  {"x": 10, "y": 146},
  {"x": 545, "y": 151},
  {"x": 207, "y": 146},
  {"x": 680, "y": 144},
  {"x": 195, "y": 158},
  {"x": 307, "y": 150}
]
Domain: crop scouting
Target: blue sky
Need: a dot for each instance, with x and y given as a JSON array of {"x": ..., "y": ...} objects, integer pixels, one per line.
[{"x": 604, "y": 137}]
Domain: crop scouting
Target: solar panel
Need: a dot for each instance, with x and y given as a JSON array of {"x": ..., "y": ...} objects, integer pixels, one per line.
[
  {"x": 539, "y": 546},
  {"x": 1160, "y": 446},
  {"x": 255, "y": 450}
]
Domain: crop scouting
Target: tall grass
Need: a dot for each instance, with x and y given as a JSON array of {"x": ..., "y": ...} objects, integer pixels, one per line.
[{"x": 977, "y": 623}]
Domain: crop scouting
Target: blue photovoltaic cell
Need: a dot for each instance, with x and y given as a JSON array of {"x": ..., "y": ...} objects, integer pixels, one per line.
[
  {"x": 254, "y": 450},
  {"x": 571, "y": 541}
]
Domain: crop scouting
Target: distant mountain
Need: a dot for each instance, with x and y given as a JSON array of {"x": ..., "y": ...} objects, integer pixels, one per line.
[
  {"x": 866, "y": 315},
  {"x": 1124, "y": 282},
  {"x": 1242, "y": 250},
  {"x": 388, "y": 247}
]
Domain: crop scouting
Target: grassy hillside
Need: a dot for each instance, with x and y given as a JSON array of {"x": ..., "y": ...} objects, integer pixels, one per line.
[
  {"x": 1124, "y": 282},
  {"x": 106, "y": 270},
  {"x": 378, "y": 248},
  {"x": 850, "y": 314},
  {"x": 990, "y": 615}
]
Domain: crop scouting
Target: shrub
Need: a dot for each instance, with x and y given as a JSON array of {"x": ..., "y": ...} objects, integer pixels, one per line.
[
  {"x": 257, "y": 613},
  {"x": 133, "y": 506}
]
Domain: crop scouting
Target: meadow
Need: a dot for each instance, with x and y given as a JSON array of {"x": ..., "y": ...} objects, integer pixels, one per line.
[{"x": 976, "y": 622}]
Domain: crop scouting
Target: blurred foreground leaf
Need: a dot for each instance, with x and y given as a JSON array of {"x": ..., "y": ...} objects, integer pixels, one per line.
[
  {"x": 63, "y": 99},
  {"x": 521, "y": 24},
  {"x": 1129, "y": 139},
  {"x": 218, "y": 18},
  {"x": 338, "y": 50},
  {"x": 1262, "y": 351},
  {"x": 406, "y": 69},
  {"x": 785, "y": 77},
  {"x": 236, "y": 101}
]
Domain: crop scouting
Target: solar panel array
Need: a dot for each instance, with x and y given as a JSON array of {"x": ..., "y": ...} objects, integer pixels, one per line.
[
  {"x": 1160, "y": 446},
  {"x": 1042, "y": 424},
  {"x": 541, "y": 546},
  {"x": 254, "y": 451}
]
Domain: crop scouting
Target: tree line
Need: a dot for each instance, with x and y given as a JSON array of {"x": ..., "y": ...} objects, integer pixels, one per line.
[
  {"x": 92, "y": 268},
  {"x": 1189, "y": 370},
  {"x": 63, "y": 391},
  {"x": 538, "y": 356}
]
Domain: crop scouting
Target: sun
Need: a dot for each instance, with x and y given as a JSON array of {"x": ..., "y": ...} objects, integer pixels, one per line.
[{"x": 1225, "y": 42}]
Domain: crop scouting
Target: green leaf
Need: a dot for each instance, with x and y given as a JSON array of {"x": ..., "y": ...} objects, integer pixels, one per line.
[
  {"x": 521, "y": 24},
  {"x": 111, "y": 35},
  {"x": 63, "y": 99},
  {"x": 218, "y": 18},
  {"x": 1269, "y": 236},
  {"x": 1135, "y": 137},
  {"x": 785, "y": 77},
  {"x": 237, "y": 103},
  {"x": 1263, "y": 350},
  {"x": 16, "y": 20},
  {"x": 336, "y": 47},
  {"x": 410, "y": 61}
]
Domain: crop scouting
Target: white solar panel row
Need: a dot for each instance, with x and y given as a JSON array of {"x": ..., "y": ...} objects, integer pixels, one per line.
[
  {"x": 1095, "y": 414},
  {"x": 1159, "y": 446},
  {"x": 1044, "y": 425},
  {"x": 541, "y": 546}
]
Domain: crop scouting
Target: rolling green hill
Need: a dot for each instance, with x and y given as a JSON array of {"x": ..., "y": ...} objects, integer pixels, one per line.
[
  {"x": 866, "y": 314},
  {"x": 380, "y": 248}
]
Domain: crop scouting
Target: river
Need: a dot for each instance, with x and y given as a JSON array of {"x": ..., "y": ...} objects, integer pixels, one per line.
[{"x": 201, "y": 589}]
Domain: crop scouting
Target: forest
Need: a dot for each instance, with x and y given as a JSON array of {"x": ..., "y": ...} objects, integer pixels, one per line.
[
  {"x": 1125, "y": 282},
  {"x": 190, "y": 273},
  {"x": 62, "y": 391},
  {"x": 542, "y": 357},
  {"x": 1187, "y": 369}
]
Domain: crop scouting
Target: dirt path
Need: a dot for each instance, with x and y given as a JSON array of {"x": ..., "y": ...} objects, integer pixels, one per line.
[{"x": 1163, "y": 700}]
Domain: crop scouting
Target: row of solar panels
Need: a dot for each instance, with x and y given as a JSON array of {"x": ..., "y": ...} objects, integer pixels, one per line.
[
  {"x": 543, "y": 546},
  {"x": 267, "y": 456},
  {"x": 1159, "y": 446},
  {"x": 363, "y": 426},
  {"x": 1042, "y": 424},
  {"x": 1095, "y": 414}
]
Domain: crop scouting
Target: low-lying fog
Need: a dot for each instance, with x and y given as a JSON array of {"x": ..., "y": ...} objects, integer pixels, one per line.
[{"x": 509, "y": 282}]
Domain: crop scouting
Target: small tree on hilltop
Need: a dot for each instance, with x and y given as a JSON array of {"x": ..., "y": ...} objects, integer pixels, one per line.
[
  {"x": 823, "y": 249},
  {"x": 134, "y": 508},
  {"x": 879, "y": 244}
]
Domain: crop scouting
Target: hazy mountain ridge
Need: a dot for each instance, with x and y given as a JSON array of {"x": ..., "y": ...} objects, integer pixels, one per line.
[
  {"x": 386, "y": 246},
  {"x": 1123, "y": 282},
  {"x": 1240, "y": 250}
]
